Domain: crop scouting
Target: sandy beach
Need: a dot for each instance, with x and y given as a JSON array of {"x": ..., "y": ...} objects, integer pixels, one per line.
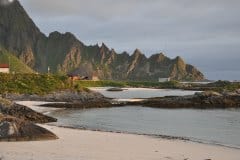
[{"x": 93, "y": 145}]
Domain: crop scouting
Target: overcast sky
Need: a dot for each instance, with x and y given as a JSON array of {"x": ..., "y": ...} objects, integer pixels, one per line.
[{"x": 205, "y": 33}]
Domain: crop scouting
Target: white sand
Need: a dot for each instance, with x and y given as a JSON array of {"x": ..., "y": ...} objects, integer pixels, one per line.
[{"x": 91, "y": 145}]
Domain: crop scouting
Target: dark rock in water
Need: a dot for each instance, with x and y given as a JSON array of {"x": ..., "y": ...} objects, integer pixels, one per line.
[
  {"x": 14, "y": 129},
  {"x": 208, "y": 94},
  {"x": 202, "y": 100},
  {"x": 116, "y": 89},
  {"x": 238, "y": 91},
  {"x": 90, "y": 104}
]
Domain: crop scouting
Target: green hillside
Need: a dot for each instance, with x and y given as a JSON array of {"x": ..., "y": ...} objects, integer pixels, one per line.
[{"x": 16, "y": 65}]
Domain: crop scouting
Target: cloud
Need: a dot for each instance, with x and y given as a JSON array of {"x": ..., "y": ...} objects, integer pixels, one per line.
[
  {"x": 192, "y": 29},
  {"x": 6, "y": 2}
]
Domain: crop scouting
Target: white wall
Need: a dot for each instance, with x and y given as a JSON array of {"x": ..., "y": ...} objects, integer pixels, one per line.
[
  {"x": 4, "y": 70},
  {"x": 164, "y": 79}
]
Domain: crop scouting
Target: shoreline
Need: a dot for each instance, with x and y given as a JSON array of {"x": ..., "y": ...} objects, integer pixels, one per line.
[
  {"x": 83, "y": 144},
  {"x": 36, "y": 105},
  {"x": 165, "y": 137}
]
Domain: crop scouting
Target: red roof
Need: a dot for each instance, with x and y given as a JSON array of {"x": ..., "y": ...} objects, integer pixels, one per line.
[{"x": 4, "y": 66}]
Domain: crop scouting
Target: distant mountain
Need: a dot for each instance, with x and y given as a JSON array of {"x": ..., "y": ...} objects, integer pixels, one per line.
[{"x": 65, "y": 53}]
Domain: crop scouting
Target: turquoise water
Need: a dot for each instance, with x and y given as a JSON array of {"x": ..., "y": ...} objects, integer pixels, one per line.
[{"x": 208, "y": 126}]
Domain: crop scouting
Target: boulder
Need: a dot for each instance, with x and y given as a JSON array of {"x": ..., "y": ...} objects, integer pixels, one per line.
[
  {"x": 14, "y": 129},
  {"x": 22, "y": 112},
  {"x": 238, "y": 91},
  {"x": 115, "y": 89},
  {"x": 208, "y": 94}
]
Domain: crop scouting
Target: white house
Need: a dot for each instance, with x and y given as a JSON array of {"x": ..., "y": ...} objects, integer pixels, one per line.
[
  {"x": 4, "y": 68},
  {"x": 164, "y": 79}
]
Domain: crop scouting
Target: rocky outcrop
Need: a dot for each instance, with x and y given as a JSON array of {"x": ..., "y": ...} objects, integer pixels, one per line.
[
  {"x": 115, "y": 89},
  {"x": 23, "y": 112},
  {"x": 80, "y": 105},
  {"x": 60, "y": 96},
  {"x": 17, "y": 123},
  {"x": 27, "y": 114},
  {"x": 14, "y": 129},
  {"x": 202, "y": 100},
  {"x": 72, "y": 99},
  {"x": 21, "y": 36}
]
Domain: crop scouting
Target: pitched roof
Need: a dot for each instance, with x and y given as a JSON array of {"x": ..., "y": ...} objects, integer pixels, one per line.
[{"x": 4, "y": 66}]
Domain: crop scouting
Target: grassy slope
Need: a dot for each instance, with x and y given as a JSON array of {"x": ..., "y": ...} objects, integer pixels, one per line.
[
  {"x": 16, "y": 65},
  {"x": 172, "y": 84},
  {"x": 35, "y": 84}
]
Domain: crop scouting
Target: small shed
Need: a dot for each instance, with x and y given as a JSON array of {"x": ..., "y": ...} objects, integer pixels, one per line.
[
  {"x": 164, "y": 79},
  {"x": 4, "y": 68}
]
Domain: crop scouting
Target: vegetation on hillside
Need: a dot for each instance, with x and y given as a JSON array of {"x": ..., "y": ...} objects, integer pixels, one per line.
[
  {"x": 218, "y": 86},
  {"x": 16, "y": 65},
  {"x": 35, "y": 83},
  {"x": 43, "y": 83},
  {"x": 221, "y": 86},
  {"x": 172, "y": 84}
]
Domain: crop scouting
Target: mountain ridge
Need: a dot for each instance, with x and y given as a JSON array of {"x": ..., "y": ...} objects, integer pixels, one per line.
[{"x": 64, "y": 53}]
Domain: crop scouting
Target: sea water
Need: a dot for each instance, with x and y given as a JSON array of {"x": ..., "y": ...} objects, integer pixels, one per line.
[{"x": 209, "y": 126}]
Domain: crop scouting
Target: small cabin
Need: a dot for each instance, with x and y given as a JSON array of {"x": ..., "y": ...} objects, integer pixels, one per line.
[
  {"x": 164, "y": 79},
  {"x": 76, "y": 77},
  {"x": 94, "y": 77},
  {"x": 83, "y": 75},
  {"x": 4, "y": 68}
]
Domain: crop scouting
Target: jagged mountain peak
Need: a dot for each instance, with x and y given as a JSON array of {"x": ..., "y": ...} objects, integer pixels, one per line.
[
  {"x": 58, "y": 34},
  {"x": 159, "y": 57},
  {"x": 180, "y": 62},
  {"x": 104, "y": 46},
  {"x": 137, "y": 52},
  {"x": 178, "y": 58}
]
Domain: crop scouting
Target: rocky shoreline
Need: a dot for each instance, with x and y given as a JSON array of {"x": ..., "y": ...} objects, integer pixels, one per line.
[
  {"x": 17, "y": 122},
  {"x": 202, "y": 100},
  {"x": 59, "y": 96}
]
